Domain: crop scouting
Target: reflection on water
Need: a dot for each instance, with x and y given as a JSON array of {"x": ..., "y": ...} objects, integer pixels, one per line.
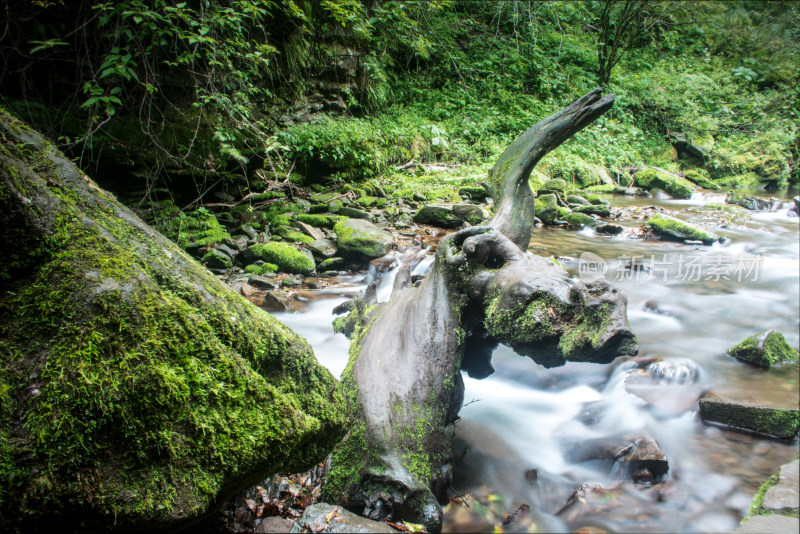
[{"x": 521, "y": 425}]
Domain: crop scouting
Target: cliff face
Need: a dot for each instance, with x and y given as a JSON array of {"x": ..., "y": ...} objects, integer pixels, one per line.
[{"x": 135, "y": 389}]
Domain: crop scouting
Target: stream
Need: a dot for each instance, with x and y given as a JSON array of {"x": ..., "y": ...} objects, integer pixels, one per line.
[{"x": 522, "y": 429}]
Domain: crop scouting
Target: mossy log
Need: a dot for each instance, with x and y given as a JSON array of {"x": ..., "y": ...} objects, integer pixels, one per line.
[
  {"x": 136, "y": 391},
  {"x": 403, "y": 378}
]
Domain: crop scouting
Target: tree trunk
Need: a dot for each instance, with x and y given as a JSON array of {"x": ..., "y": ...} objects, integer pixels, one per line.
[{"x": 403, "y": 379}]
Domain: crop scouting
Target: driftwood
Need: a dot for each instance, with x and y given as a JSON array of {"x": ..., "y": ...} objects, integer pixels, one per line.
[{"x": 403, "y": 378}]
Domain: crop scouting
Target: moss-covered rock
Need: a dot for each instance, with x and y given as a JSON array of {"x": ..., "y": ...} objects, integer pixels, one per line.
[
  {"x": 672, "y": 184},
  {"x": 696, "y": 177},
  {"x": 739, "y": 412},
  {"x": 361, "y": 240},
  {"x": 546, "y": 208},
  {"x": 287, "y": 258},
  {"x": 764, "y": 350},
  {"x": 135, "y": 389},
  {"x": 677, "y": 230},
  {"x": 580, "y": 220},
  {"x": 324, "y": 221},
  {"x": 556, "y": 184},
  {"x": 292, "y": 235},
  {"x": 450, "y": 215},
  {"x": 215, "y": 259},
  {"x": 600, "y": 210}
]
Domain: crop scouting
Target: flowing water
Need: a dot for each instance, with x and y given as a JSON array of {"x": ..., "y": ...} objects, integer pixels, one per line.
[{"x": 523, "y": 429}]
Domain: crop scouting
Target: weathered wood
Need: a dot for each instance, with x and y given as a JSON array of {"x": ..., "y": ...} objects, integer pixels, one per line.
[{"x": 403, "y": 376}]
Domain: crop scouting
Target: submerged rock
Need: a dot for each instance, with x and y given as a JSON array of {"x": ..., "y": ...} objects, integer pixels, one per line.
[
  {"x": 136, "y": 390},
  {"x": 764, "y": 350},
  {"x": 743, "y": 411},
  {"x": 638, "y": 456},
  {"x": 675, "y": 229}
]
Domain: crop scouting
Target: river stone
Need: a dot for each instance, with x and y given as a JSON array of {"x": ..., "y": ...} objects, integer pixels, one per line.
[
  {"x": 324, "y": 517},
  {"x": 748, "y": 201},
  {"x": 671, "y": 184},
  {"x": 631, "y": 453},
  {"x": 764, "y": 349},
  {"x": 263, "y": 282},
  {"x": 595, "y": 209},
  {"x": 546, "y": 208},
  {"x": 784, "y": 495},
  {"x": 579, "y": 219},
  {"x": 309, "y": 230},
  {"x": 274, "y": 524},
  {"x": 609, "y": 229},
  {"x": 556, "y": 184},
  {"x": 361, "y": 240},
  {"x": 769, "y": 524},
  {"x": 744, "y": 411},
  {"x": 677, "y": 230}
]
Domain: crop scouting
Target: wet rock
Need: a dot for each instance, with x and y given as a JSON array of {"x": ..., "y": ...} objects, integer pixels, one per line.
[
  {"x": 609, "y": 229},
  {"x": 276, "y": 301},
  {"x": 274, "y": 524},
  {"x": 784, "y": 495},
  {"x": 672, "y": 184},
  {"x": 748, "y": 202},
  {"x": 744, "y": 411},
  {"x": 331, "y": 264},
  {"x": 673, "y": 229},
  {"x": 473, "y": 193},
  {"x": 248, "y": 230},
  {"x": 630, "y": 454},
  {"x": 360, "y": 240},
  {"x": 263, "y": 282},
  {"x": 764, "y": 350},
  {"x": 323, "y": 517},
  {"x": 769, "y": 524}
]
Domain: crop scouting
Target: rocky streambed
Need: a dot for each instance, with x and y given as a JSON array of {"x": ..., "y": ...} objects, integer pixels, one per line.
[{"x": 632, "y": 446}]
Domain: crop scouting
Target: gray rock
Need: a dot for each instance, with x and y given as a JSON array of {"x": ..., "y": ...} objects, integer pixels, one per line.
[
  {"x": 263, "y": 282},
  {"x": 577, "y": 199},
  {"x": 324, "y": 248},
  {"x": 784, "y": 496},
  {"x": 450, "y": 215},
  {"x": 355, "y": 213},
  {"x": 323, "y": 517},
  {"x": 274, "y": 524},
  {"x": 609, "y": 229},
  {"x": 309, "y": 230},
  {"x": 769, "y": 524}
]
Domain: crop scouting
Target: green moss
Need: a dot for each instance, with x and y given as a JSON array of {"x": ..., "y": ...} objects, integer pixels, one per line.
[
  {"x": 331, "y": 264},
  {"x": 139, "y": 385},
  {"x": 673, "y": 185},
  {"x": 473, "y": 192},
  {"x": 292, "y": 235},
  {"x": 764, "y": 350},
  {"x": 579, "y": 220},
  {"x": 599, "y": 210},
  {"x": 524, "y": 323},
  {"x": 286, "y": 257},
  {"x": 264, "y": 268},
  {"x": 371, "y": 202},
  {"x": 323, "y": 221},
  {"x": 695, "y": 176},
  {"x": 672, "y": 228}
]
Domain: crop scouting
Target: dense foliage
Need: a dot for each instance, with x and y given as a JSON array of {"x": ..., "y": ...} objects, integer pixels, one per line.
[{"x": 212, "y": 93}]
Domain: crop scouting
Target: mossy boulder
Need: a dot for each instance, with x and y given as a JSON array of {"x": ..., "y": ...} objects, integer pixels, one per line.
[
  {"x": 671, "y": 184},
  {"x": 288, "y": 258},
  {"x": 677, "y": 230},
  {"x": 579, "y": 220},
  {"x": 600, "y": 210},
  {"x": 556, "y": 184},
  {"x": 764, "y": 350},
  {"x": 136, "y": 390},
  {"x": 292, "y": 235},
  {"x": 546, "y": 208},
  {"x": 450, "y": 215},
  {"x": 696, "y": 177},
  {"x": 360, "y": 240}
]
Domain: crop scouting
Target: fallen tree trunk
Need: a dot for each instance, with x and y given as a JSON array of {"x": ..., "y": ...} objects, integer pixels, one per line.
[
  {"x": 136, "y": 390},
  {"x": 403, "y": 379}
]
